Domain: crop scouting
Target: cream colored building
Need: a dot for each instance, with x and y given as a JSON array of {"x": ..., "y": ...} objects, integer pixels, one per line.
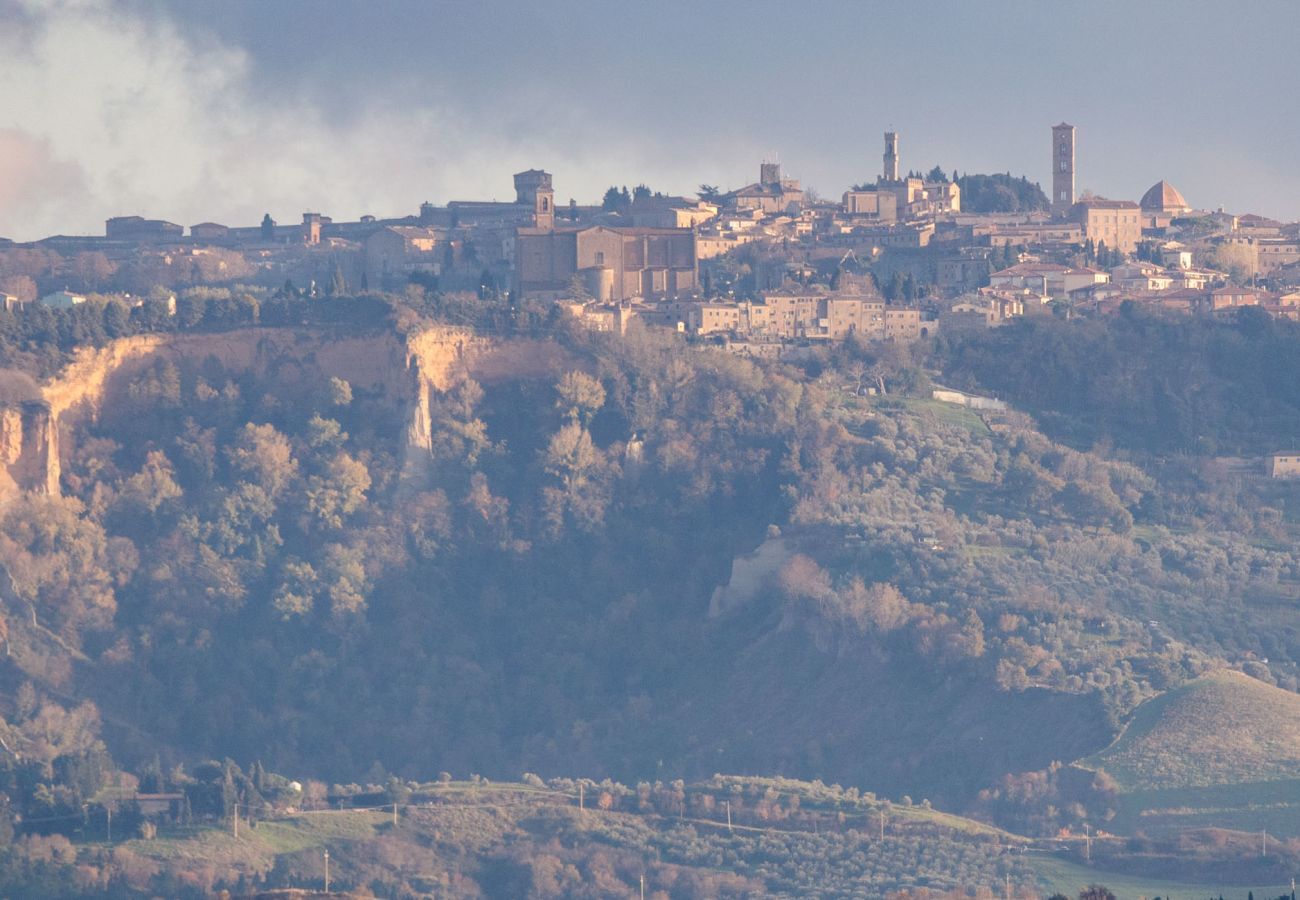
[
  {"x": 1116, "y": 223},
  {"x": 785, "y": 316}
]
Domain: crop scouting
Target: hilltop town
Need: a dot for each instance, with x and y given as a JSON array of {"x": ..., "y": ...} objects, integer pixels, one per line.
[
  {"x": 948, "y": 489},
  {"x": 764, "y": 269}
]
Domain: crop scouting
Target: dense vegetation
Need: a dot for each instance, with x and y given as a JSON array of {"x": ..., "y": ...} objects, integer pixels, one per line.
[
  {"x": 945, "y": 605},
  {"x": 1167, "y": 386},
  {"x": 1000, "y": 192}
]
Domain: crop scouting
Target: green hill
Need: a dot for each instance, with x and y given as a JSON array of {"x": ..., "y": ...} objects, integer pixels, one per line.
[
  {"x": 1225, "y": 728},
  {"x": 1220, "y": 751}
]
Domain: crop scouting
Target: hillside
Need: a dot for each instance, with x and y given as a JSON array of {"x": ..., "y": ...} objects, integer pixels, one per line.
[
  {"x": 1224, "y": 728},
  {"x": 358, "y": 544},
  {"x": 725, "y": 838},
  {"x": 1220, "y": 751}
]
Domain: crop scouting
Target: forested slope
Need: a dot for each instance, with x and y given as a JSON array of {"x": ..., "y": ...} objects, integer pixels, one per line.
[{"x": 250, "y": 567}]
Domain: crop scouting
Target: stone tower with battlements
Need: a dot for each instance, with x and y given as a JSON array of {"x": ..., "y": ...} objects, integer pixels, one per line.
[
  {"x": 533, "y": 188},
  {"x": 891, "y": 156}
]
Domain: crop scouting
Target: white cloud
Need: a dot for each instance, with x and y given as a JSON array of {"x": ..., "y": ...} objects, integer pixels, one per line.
[{"x": 119, "y": 114}]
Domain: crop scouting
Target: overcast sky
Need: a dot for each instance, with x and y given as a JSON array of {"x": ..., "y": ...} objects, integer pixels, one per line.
[{"x": 222, "y": 110}]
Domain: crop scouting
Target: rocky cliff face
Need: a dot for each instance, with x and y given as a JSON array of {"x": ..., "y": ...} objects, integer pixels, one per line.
[
  {"x": 29, "y": 448},
  {"x": 403, "y": 370}
]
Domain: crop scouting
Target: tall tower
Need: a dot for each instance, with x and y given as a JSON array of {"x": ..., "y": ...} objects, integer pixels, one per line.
[
  {"x": 1062, "y": 168},
  {"x": 533, "y": 188},
  {"x": 891, "y": 156}
]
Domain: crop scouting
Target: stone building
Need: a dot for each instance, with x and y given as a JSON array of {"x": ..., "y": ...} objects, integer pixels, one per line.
[
  {"x": 875, "y": 205},
  {"x": 140, "y": 230},
  {"x": 772, "y": 194},
  {"x": 395, "y": 252},
  {"x": 1117, "y": 223},
  {"x": 1285, "y": 464},
  {"x": 613, "y": 263}
]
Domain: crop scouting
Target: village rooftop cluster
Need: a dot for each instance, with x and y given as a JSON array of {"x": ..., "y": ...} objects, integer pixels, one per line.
[{"x": 765, "y": 269}]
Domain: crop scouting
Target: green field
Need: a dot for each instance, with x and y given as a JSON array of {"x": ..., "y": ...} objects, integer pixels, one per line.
[
  {"x": 1222, "y": 751},
  {"x": 948, "y": 412},
  {"x": 1069, "y": 878},
  {"x": 1224, "y": 728},
  {"x": 1273, "y": 806}
]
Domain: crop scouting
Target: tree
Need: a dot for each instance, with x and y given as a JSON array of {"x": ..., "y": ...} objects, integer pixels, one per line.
[
  {"x": 709, "y": 193},
  {"x": 580, "y": 396},
  {"x": 340, "y": 492},
  {"x": 61, "y": 563},
  {"x": 570, "y": 454},
  {"x": 1096, "y": 892},
  {"x": 616, "y": 200},
  {"x": 338, "y": 284},
  {"x": 21, "y": 286},
  {"x": 91, "y": 269},
  {"x": 117, "y": 318},
  {"x": 264, "y": 457},
  {"x": 1239, "y": 260}
]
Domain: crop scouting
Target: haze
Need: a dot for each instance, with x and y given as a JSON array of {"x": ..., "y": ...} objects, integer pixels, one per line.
[{"x": 195, "y": 112}]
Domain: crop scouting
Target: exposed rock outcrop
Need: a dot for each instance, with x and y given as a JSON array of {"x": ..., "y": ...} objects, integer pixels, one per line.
[{"x": 401, "y": 370}]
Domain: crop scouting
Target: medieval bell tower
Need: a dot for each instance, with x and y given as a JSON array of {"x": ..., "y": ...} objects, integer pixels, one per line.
[
  {"x": 533, "y": 188},
  {"x": 891, "y": 156},
  {"x": 1062, "y": 168}
]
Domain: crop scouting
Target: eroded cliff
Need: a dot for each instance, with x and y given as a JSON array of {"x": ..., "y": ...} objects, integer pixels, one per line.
[{"x": 402, "y": 370}]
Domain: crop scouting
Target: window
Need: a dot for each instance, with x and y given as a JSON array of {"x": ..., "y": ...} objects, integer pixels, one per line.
[
  {"x": 546, "y": 204},
  {"x": 600, "y": 257}
]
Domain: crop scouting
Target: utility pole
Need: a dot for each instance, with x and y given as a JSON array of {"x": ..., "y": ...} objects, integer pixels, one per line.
[
  {"x": 394, "y": 813},
  {"x": 1008, "y": 893},
  {"x": 1263, "y": 842},
  {"x": 580, "y": 797},
  {"x": 327, "y": 871},
  {"x": 729, "y": 831},
  {"x": 236, "y": 821},
  {"x": 882, "y": 824},
  {"x": 1087, "y": 842},
  {"x": 109, "y": 810},
  {"x": 642, "y": 886}
]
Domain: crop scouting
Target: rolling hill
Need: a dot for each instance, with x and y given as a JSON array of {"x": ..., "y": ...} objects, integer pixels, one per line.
[{"x": 1220, "y": 751}]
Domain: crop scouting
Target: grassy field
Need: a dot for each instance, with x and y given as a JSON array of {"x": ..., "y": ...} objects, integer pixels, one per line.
[
  {"x": 1221, "y": 751},
  {"x": 1273, "y": 806},
  {"x": 257, "y": 847},
  {"x": 1225, "y": 728},
  {"x": 948, "y": 412},
  {"x": 1069, "y": 879}
]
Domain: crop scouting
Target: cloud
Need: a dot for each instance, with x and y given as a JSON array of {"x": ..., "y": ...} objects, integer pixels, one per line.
[
  {"x": 33, "y": 179},
  {"x": 114, "y": 110}
]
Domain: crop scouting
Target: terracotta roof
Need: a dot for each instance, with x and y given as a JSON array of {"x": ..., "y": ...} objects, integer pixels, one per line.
[
  {"x": 1107, "y": 204},
  {"x": 1162, "y": 196}
]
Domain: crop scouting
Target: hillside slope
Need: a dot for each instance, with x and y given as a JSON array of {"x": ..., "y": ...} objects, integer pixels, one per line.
[
  {"x": 1222, "y": 750},
  {"x": 1224, "y": 728}
]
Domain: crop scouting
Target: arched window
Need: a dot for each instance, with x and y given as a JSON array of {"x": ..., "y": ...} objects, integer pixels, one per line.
[{"x": 546, "y": 204}]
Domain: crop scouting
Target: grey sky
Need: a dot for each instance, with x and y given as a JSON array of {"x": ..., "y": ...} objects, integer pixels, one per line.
[{"x": 222, "y": 111}]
